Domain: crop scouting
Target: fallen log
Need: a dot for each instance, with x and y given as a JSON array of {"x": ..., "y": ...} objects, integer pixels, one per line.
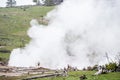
[{"x": 43, "y": 76}]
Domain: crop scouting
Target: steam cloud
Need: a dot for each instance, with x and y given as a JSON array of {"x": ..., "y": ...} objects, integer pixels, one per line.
[{"x": 79, "y": 33}]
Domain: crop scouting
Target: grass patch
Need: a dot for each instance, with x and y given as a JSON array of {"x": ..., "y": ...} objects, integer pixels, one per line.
[
  {"x": 4, "y": 55},
  {"x": 14, "y": 23},
  {"x": 75, "y": 76}
]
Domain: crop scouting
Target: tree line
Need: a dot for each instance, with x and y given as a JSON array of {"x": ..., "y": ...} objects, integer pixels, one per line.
[{"x": 11, "y": 3}]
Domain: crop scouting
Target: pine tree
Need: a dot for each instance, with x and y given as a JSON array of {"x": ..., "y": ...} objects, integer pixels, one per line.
[
  {"x": 37, "y": 2},
  {"x": 49, "y": 2},
  {"x": 11, "y": 3}
]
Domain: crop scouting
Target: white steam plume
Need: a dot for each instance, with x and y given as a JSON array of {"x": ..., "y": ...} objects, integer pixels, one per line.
[{"x": 79, "y": 33}]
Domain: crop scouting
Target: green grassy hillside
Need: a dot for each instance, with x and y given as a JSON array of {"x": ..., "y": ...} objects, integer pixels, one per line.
[{"x": 14, "y": 23}]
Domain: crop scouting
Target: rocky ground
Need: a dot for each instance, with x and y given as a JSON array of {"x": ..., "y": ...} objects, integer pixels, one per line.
[{"x": 20, "y": 71}]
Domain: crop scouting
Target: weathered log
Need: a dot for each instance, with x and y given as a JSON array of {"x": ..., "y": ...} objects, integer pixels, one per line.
[{"x": 42, "y": 76}]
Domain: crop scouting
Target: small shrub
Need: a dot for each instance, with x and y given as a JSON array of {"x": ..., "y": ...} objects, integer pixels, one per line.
[{"x": 111, "y": 66}]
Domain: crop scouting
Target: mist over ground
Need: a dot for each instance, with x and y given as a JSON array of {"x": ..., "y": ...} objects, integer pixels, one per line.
[{"x": 79, "y": 33}]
